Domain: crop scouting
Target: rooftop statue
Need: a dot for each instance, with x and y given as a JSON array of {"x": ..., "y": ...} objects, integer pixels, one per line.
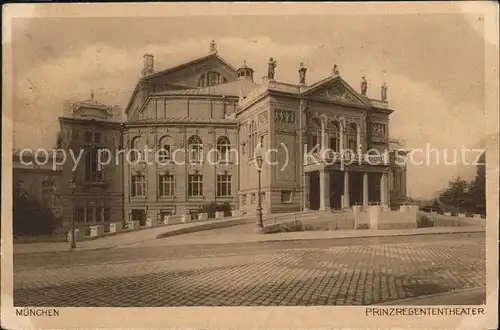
[{"x": 271, "y": 68}]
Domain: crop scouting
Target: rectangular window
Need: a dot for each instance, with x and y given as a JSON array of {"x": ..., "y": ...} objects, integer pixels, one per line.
[
  {"x": 107, "y": 215},
  {"x": 80, "y": 215},
  {"x": 88, "y": 137},
  {"x": 165, "y": 213},
  {"x": 138, "y": 186},
  {"x": 166, "y": 185},
  {"x": 223, "y": 185},
  {"x": 286, "y": 196},
  {"x": 252, "y": 198},
  {"x": 97, "y": 137},
  {"x": 195, "y": 185},
  {"x": 92, "y": 171},
  {"x": 98, "y": 214}
]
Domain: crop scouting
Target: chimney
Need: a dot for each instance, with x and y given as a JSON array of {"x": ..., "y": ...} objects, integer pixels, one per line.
[
  {"x": 148, "y": 65},
  {"x": 213, "y": 47}
]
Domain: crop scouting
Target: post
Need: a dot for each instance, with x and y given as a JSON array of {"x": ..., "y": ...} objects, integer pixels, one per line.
[
  {"x": 260, "y": 224},
  {"x": 73, "y": 238}
]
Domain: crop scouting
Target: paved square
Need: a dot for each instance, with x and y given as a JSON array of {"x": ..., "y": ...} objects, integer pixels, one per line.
[{"x": 298, "y": 275}]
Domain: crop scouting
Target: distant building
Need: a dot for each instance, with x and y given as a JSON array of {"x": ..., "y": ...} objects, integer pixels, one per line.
[
  {"x": 207, "y": 104},
  {"x": 39, "y": 179}
]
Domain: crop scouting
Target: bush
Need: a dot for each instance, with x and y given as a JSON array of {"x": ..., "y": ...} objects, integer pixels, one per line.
[
  {"x": 423, "y": 221},
  {"x": 213, "y": 207},
  {"x": 30, "y": 217}
]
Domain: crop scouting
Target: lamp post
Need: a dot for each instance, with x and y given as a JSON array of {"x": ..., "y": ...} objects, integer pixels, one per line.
[
  {"x": 73, "y": 238},
  {"x": 259, "y": 224}
]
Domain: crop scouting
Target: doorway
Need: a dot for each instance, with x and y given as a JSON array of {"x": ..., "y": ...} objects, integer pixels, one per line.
[{"x": 314, "y": 190}]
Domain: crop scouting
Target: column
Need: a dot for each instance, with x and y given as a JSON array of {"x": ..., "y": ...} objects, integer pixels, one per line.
[
  {"x": 341, "y": 137},
  {"x": 324, "y": 187},
  {"x": 383, "y": 189},
  {"x": 324, "y": 136},
  {"x": 365, "y": 189},
  {"x": 358, "y": 140},
  {"x": 346, "y": 200}
]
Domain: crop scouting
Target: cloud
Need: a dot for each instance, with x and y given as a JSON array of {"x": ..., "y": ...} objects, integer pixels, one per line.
[
  {"x": 422, "y": 114},
  {"x": 111, "y": 73}
]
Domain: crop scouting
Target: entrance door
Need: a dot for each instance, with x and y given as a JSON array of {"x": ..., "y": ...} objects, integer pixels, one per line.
[
  {"x": 139, "y": 215},
  {"x": 314, "y": 190},
  {"x": 336, "y": 189}
]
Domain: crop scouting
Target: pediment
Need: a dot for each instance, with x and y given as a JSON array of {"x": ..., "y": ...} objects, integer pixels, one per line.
[{"x": 336, "y": 90}]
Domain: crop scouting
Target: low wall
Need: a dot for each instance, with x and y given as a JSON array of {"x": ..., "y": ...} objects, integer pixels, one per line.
[
  {"x": 453, "y": 221},
  {"x": 203, "y": 227},
  {"x": 290, "y": 226},
  {"x": 378, "y": 217}
]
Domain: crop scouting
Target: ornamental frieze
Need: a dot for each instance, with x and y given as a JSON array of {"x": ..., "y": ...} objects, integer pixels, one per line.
[
  {"x": 378, "y": 129},
  {"x": 284, "y": 116},
  {"x": 337, "y": 93}
]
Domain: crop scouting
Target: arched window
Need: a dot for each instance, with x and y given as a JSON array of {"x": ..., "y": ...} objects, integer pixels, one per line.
[
  {"x": 334, "y": 136},
  {"x": 164, "y": 152},
  {"x": 223, "y": 149},
  {"x": 136, "y": 148},
  {"x": 195, "y": 147},
  {"x": 252, "y": 139},
  {"x": 314, "y": 135},
  {"x": 352, "y": 137},
  {"x": 210, "y": 78}
]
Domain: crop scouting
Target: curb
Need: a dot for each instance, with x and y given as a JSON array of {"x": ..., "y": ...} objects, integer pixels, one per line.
[
  {"x": 374, "y": 235},
  {"x": 434, "y": 296}
]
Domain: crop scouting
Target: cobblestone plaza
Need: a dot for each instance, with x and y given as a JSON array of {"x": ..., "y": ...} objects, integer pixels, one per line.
[{"x": 321, "y": 272}]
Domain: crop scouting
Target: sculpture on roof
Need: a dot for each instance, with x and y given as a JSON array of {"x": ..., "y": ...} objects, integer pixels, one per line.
[
  {"x": 335, "y": 70},
  {"x": 271, "y": 68},
  {"x": 383, "y": 92},
  {"x": 364, "y": 86},
  {"x": 302, "y": 74}
]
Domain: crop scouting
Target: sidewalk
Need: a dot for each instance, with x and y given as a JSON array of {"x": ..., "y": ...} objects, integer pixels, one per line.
[
  {"x": 118, "y": 240},
  {"x": 135, "y": 237},
  {"x": 240, "y": 234},
  {"x": 236, "y": 233}
]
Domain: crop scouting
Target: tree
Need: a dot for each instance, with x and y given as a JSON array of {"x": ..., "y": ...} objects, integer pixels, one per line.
[
  {"x": 456, "y": 195},
  {"x": 30, "y": 216},
  {"x": 477, "y": 191}
]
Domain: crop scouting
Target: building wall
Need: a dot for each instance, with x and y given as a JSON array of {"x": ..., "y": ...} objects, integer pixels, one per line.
[
  {"x": 87, "y": 196},
  {"x": 179, "y": 135},
  {"x": 187, "y": 76},
  {"x": 260, "y": 114},
  {"x": 199, "y": 107}
]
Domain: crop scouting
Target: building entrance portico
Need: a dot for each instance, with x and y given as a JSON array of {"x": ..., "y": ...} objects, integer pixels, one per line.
[{"x": 337, "y": 189}]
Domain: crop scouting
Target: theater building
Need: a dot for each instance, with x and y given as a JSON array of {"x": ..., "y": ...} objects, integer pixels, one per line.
[{"x": 207, "y": 122}]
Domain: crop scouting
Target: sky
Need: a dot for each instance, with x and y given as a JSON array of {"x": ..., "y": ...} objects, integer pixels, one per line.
[{"x": 433, "y": 65}]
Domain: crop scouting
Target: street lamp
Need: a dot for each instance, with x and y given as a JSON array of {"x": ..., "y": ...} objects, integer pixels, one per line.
[
  {"x": 259, "y": 224},
  {"x": 73, "y": 238}
]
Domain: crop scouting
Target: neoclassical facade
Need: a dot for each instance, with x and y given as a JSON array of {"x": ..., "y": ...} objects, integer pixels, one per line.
[{"x": 205, "y": 122}]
